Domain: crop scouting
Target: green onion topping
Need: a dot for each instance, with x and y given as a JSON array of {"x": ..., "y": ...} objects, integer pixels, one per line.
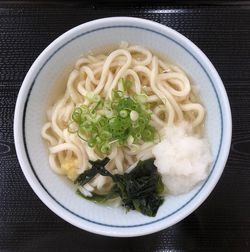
[{"x": 123, "y": 120}]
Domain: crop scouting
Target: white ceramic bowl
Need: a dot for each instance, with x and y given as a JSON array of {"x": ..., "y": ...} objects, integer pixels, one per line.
[{"x": 58, "y": 193}]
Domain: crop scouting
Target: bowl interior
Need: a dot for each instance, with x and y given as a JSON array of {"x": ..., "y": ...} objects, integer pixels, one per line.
[{"x": 54, "y": 65}]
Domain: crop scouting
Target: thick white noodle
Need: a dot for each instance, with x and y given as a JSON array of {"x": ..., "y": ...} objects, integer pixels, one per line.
[{"x": 167, "y": 87}]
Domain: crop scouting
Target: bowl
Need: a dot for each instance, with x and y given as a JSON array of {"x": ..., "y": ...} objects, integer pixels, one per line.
[{"x": 37, "y": 92}]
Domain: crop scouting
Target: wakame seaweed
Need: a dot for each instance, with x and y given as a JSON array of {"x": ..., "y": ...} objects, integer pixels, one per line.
[
  {"x": 98, "y": 167},
  {"x": 139, "y": 190}
]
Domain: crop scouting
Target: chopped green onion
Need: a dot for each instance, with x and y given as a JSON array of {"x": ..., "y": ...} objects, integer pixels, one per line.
[
  {"x": 87, "y": 126},
  {"x": 73, "y": 127},
  {"x": 78, "y": 110},
  {"x": 116, "y": 94},
  {"x": 123, "y": 120},
  {"x": 142, "y": 121},
  {"x": 148, "y": 134},
  {"x": 123, "y": 113},
  {"x": 141, "y": 98},
  {"x": 138, "y": 135},
  {"x": 84, "y": 109},
  {"x": 76, "y": 115},
  {"x": 98, "y": 140},
  {"x": 105, "y": 148},
  {"x": 130, "y": 140},
  {"x": 103, "y": 122},
  {"x": 95, "y": 107},
  {"x": 81, "y": 136},
  {"x": 91, "y": 96},
  {"x": 92, "y": 142},
  {"x": 105, "y": 135},
  {"x": 108, "y": 113},
  {"x": 134, "y": 115}
]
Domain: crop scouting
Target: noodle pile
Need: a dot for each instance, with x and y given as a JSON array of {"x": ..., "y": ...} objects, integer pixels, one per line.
[{"x": 168, "y": 90}]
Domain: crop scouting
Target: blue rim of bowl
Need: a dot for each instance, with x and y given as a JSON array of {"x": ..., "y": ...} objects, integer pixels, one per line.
[{"x": 24, "y": 117}]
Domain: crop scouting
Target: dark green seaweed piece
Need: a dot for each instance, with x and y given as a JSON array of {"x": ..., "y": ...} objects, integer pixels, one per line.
[
  {"x": 98, "y": 167},
  {"x": 140, "y": 190}
]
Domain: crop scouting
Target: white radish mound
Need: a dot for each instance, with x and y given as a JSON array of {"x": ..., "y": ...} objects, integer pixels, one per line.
[{"x": 182, "y": 159}]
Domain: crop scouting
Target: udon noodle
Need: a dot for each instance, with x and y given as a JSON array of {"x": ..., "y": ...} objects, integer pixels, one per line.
[{"x": 168, "y": 89}]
